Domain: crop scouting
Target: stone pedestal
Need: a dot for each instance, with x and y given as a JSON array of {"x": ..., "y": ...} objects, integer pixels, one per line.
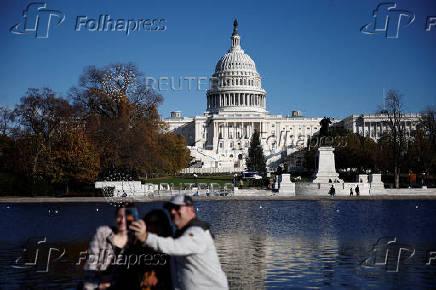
[
  {"x": 376, "y": 184},
  {"x": 326, "y": 166},
  {"x": 286, "y": 186},
  {"x": 363, "y": 178}
]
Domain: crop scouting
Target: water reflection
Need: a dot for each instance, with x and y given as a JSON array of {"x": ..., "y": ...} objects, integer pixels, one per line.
[{"x": 261, "y": 244}]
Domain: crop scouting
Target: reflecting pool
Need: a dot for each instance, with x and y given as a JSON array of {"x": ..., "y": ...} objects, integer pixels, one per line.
[{"x": 261, "y": 244}]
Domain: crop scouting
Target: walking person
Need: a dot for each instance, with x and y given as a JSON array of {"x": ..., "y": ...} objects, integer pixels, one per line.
[
  {"x": 332, "y": 191},
  {"x": 351, "y": 191},
  {"x": 357, "y": 190}
]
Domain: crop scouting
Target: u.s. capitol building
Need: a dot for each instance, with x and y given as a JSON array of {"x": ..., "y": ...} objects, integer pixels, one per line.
[{"x": 236, "y": 107}]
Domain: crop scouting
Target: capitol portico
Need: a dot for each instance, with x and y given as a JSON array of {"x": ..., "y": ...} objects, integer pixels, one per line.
[{"x": 236, "y": 107}]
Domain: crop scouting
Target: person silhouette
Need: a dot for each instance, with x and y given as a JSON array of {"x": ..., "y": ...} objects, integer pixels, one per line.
[{"x": 332, "y": 191}]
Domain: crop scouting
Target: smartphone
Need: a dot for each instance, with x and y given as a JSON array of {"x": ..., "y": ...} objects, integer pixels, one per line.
[{"x": 131, "y": 215}]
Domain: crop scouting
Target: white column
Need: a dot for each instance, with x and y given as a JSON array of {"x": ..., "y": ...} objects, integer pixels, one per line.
[{"x": 215, "y": 137}]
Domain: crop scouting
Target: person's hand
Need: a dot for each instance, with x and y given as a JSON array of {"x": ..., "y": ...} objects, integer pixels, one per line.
[
  {"x": 140, "y": 230},
  {"x": 104, "y": 285}
]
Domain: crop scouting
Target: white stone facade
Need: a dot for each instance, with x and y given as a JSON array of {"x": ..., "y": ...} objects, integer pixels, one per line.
[
  {"x": 374, "y": 125},
  {"x": 236, "y": 106}
]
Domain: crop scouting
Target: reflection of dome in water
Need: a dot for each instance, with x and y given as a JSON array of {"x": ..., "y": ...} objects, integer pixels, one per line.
[{"x": 236, "y": 84}]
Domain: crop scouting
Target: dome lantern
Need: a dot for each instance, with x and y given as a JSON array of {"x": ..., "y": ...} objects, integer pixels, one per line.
[{"x": 236, "y": 84}]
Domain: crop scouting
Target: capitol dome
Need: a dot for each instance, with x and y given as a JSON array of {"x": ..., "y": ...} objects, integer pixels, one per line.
[{"x": 236, "y": 84}]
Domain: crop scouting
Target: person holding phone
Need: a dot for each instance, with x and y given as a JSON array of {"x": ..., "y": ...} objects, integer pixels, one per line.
[
  {"x": 157, "y": 274},
  {"x": 196, "y": 262},
  {"x": 107, "y": 244},
  {"x": 146, "y": 268}
]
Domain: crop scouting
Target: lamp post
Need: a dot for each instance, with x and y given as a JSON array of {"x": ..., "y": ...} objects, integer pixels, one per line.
[
  {"x": 195, "y": 179},
  {"x": 423, "y": 181}
]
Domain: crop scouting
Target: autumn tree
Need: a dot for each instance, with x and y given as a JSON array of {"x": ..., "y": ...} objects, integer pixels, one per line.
[
  {"x": 396, "y": 135},
  {"x": 6, "y": 143},
  {"x": 6, "y": 119},
  {"x": 39, "y": 116},
  {"x": 122, "y": 118},
  {"x": 50, "y": 141},
  {"x": 357, "y": 152},
  {"x": 120, "y": 113},
  {"x": 174, "y": 153},
  {"x": 421, "y": 151}
]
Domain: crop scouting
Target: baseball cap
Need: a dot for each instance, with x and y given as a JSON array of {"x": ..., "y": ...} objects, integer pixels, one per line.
[{"x": 179, "y": 200}]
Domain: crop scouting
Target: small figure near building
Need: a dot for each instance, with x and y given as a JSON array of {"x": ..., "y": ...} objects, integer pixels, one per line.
[{"x": 332, "y": 191}]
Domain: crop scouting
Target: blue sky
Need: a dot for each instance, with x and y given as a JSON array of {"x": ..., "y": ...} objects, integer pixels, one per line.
[{"x": 311, "y": 54}]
